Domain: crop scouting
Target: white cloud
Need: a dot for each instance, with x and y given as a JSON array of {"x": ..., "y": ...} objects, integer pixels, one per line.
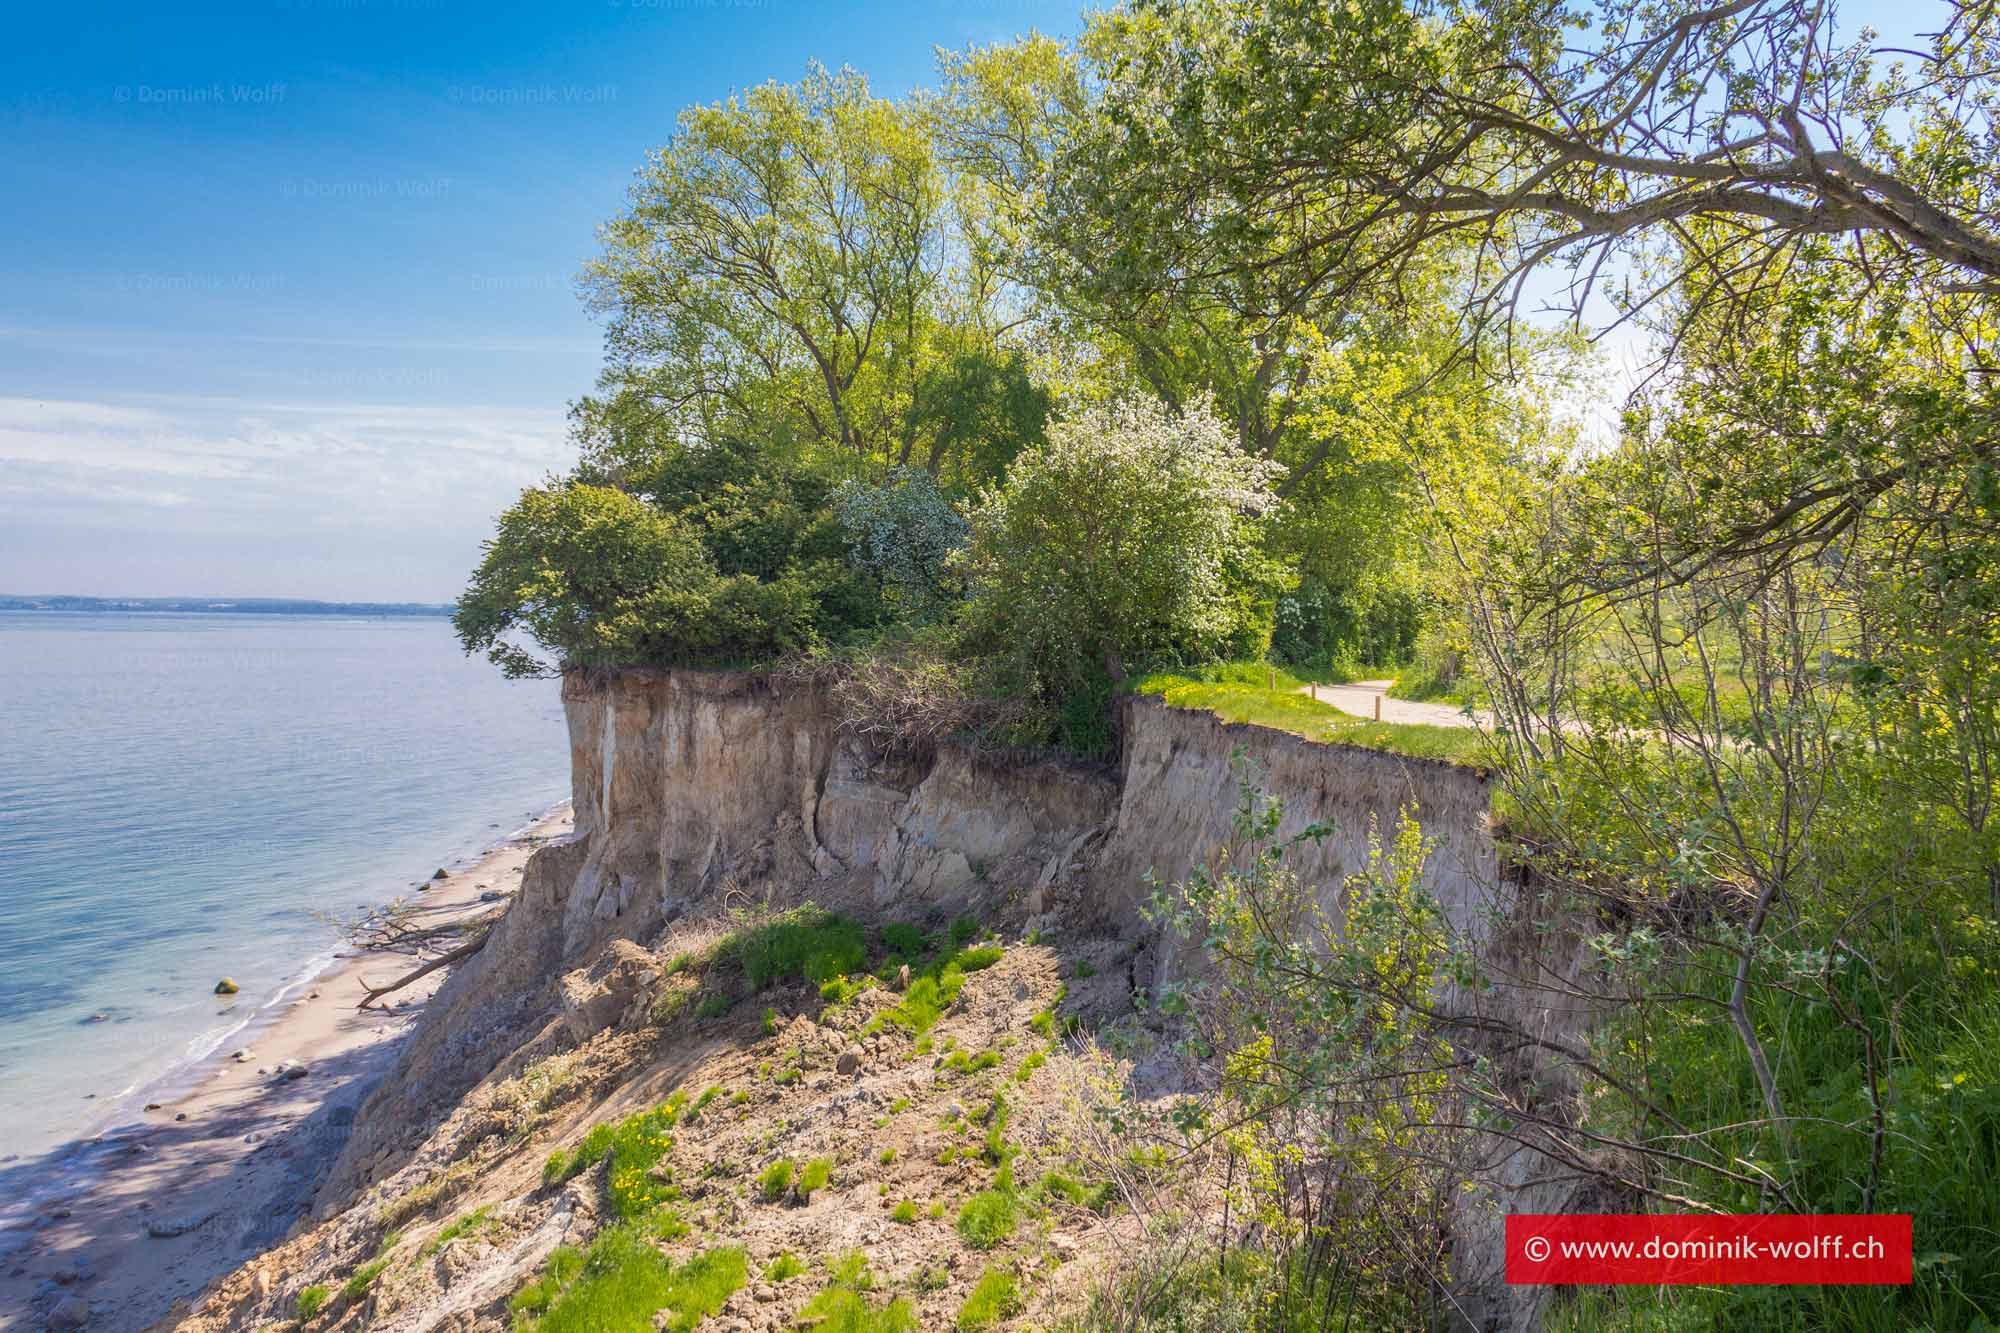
[{"x": 410, "y": 491}]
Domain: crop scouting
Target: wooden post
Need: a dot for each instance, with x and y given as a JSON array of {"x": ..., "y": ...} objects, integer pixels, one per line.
[
  {"x": 1378, "y": 705},
  {"x": 1270, "y": 677}
]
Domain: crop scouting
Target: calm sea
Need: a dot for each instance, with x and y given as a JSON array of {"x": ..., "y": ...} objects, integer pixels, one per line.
[{"x": 184, "y": 797}]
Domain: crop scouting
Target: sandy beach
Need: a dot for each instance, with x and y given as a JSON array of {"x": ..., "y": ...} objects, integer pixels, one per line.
[{"x": 226, "y": 1167}]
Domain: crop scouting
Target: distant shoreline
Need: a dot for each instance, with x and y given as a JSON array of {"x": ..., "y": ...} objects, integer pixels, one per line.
[{"x": 254, "y": 606}]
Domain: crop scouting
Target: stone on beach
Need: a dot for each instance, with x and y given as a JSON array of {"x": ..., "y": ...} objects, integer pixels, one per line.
[
  {"x": 226, "y": 987},
  {"x": 70, "y": 1312},
  {"x": 166, "y": 1228}
]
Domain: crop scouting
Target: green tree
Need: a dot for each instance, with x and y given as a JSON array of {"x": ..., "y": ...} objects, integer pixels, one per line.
[
  {"x": 598, "y": 577},
  {"x": 584, "y": 571},
  {"x": 1292, "y": 150},
  {"x": 792, "y": 269}
]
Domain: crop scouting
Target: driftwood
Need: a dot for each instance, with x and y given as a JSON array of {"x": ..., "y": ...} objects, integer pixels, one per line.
[{"x": 461, "y": 953}]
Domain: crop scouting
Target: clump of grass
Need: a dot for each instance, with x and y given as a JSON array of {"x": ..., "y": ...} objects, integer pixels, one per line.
[
  {"x": 840, "y": 990},
  {"x": 851, "y": 1270},
  {"x": 713, "y": 1004},
  {"x": 839, "y": 1310},
  {"x": 768, "y": 1022},
  {"x": 996, "y": 1150},
  {"x": 363, "y": 1278},
  {"x": 996, "y": 1297},
  {"x": 635, "y": 1146},
  {"x": 1044, "y": 1023},
  {"x": 1035, "y": 1060},
  {"x": 904, "y": 1212},
  {"x": 976, "y": 960},
  {"x": 937, "y": 1210},
  {"x": 784, "y": 1268},
  {"x": 844, "y": 1308},
  {"x": 1084, "y": 971},
  {"x": 465, "y": 1224},
  {"x": 888, "y": 1156},
  {"x": 958, "y": 1062},
  {"x": 1095, "y": 1198},
  {"x": 564, "y": 1263},
  {"x": 814, "y": 1176},
  {"x": 925, "y": 1001},
  {"x": 776, "y": 1179},
  {"x": 987, "y": 1218},
  {"x": 806, "y": 943},
  {"x": 311, "y": 1301},
  {"x": 433, "y": 1191},
  {"x": 905, "y": 940},
  {"x": 622, "y": 1281},
  {"x": 671, "y": 1003}
]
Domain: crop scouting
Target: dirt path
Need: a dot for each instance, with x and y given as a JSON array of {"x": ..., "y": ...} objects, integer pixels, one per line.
[{"x": 1370, "y": 698}]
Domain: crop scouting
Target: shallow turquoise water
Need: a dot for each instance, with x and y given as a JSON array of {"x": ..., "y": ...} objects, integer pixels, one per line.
[{"x": 183, "y": 797}]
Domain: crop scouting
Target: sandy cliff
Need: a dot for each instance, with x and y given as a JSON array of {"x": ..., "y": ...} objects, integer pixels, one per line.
[{"x": 695, "y": 792}]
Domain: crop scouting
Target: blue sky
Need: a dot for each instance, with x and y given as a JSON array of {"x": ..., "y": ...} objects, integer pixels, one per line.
[{"x": 286, "y": 290}]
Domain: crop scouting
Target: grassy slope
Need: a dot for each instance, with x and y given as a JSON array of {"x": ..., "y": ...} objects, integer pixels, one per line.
[{"x": 1269, "y": 697}]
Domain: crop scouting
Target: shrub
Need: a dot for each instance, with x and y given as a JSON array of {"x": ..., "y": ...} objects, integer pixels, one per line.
[
  {"x": 312, "y": 1300},
  {"x": 905, "y": 1212},
  {"x": 784, "y": 1268},
  {"x": 1186, "y": 576},
  {"x": 993, "y": 1299},
  {"x": 903, "y": 534}
]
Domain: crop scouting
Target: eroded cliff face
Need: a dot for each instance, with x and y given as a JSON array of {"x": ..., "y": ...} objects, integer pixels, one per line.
[{"x": 697, "y": 791}]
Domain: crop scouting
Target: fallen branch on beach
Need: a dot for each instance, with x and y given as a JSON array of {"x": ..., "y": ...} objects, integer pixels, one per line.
[
  {"x": 462, "y": 952},
  {"x": 402, "y": 927}
]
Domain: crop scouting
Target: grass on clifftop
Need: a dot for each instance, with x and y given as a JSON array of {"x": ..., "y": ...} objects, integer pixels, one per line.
[{"x": 1244, "y": 693}]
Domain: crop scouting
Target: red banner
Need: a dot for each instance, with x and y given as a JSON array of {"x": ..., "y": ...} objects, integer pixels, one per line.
[{"x": 1765, "y": 1248}]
